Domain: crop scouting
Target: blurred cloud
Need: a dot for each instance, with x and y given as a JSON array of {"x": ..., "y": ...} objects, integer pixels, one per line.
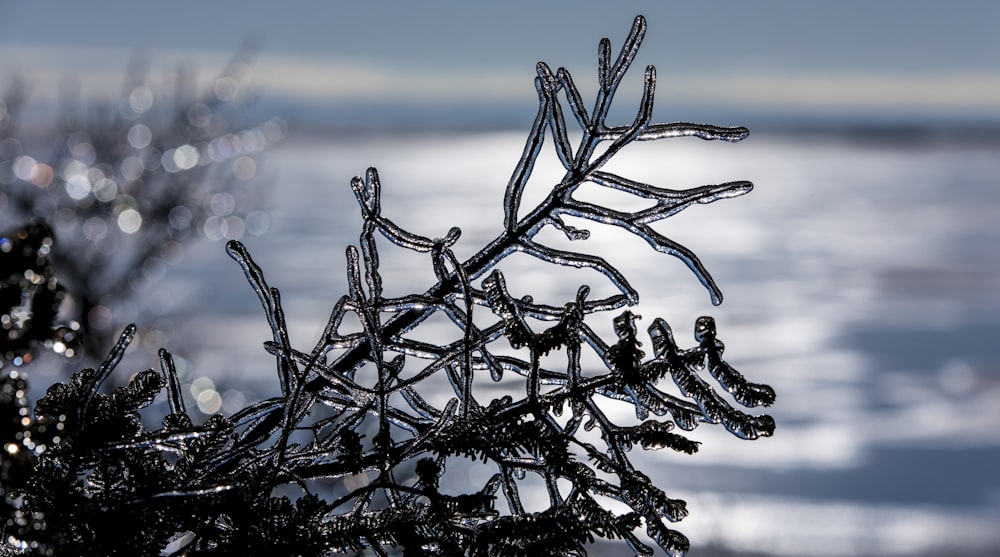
[
  {"x": 98, "y": 71},
  {"x": 914, "y": 58},
  {"x": 333, "y": 80},
  {"x": 930, "y": 91}
]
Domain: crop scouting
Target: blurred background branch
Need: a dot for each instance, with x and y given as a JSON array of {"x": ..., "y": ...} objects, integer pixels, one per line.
[{"x": 125, "y": 185}]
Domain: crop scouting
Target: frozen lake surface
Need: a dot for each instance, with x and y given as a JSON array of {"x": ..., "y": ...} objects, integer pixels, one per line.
[{"x": 862, "y": 281}]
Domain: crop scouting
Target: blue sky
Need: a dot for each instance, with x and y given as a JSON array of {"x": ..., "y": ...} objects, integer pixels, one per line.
[{"x": 892, "y": 58}]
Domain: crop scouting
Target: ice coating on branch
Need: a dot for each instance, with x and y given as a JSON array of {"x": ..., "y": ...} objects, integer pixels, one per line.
[
  {"x": 584, "y": 165},
  {"x": 362, "y": 429},
  {"x": 534, "y": 432}
]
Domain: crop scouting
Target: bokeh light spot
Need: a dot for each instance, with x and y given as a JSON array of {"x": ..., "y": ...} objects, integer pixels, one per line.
[
  {"x": 132, "y": 168},
  {"x": 208, "y": 399},
  {"x": 275, "y": 130},
  {"x": 42, "y": 175},
  {"x": 209, "y": 402},
  {"x": 140, "y": 99},
  {"x": 222, "y": 204},
  {"x": 257, "y": 223},
  {"x": 234, "y": 227},
  {"x": 226, "y": 89},
  {"x": 95, "y": 229},
  {"x": 78, "y": 186},
  {"x": 180, "y": 217},
  {"x": 84, "y": 152},
  {"x": 105, "y": 190},
  {"x": 245, "y": 168},
  {"x": 139, "y": 136},
  {"x": 23, "y": 167},
  {"x": 130, "y": 221},
  {"x": 185, "y": 157},
  {"x": 199, "y": 115},
  {"x": 201, "y": 384},
  {"x": 215, "y": 228},
  {"x": 225, "y": 147}
]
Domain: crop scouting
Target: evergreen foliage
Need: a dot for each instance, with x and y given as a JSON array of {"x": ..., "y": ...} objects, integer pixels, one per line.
[{"x": 355, "y": 452}]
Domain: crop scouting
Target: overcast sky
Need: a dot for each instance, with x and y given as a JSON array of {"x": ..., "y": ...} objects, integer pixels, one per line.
[{"x": 904, "y": 57}]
